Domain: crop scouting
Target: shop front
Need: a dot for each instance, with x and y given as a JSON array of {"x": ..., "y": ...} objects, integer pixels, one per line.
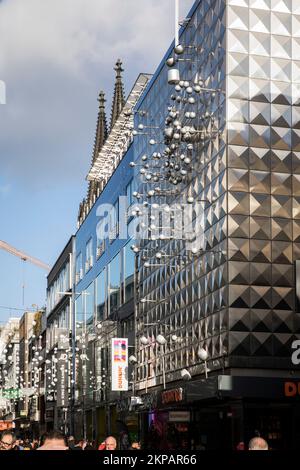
[
  {"x": 230, "y": 410},
  {"x": 222, "y": 412},
  {"x": 166, "y": 420}
]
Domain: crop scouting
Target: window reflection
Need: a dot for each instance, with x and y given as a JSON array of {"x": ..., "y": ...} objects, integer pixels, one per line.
[
  {"x": 101, "y": 295},
  {"x": 114, "y": 282},
  {"x": 84, "y": 308},
  {"x": 79, "y": 314},
  {"x": 129, "y": 258},
  {"x": 89, "y": 304}
]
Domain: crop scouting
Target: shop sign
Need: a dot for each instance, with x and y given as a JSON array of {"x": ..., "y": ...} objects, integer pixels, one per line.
[
  {"x": 119, "y": 364},
  {"x": 171, "y": 396},
  {"x": 62, "y": 380},
  {"x": 291, "y": 389},
  {"x": 179, "y": 416}
]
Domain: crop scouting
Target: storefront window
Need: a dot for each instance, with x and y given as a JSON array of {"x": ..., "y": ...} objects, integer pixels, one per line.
[{"x": 101, "y": 295}]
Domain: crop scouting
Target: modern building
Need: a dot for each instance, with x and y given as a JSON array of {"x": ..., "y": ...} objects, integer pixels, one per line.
[
  {"x": 104, "y": 272},
  {"x": 9, "y": 341},
  {"x": 28, "y": 326},
  {"x": 216, "y": 303},
  {"x": 58, "y": 341}
]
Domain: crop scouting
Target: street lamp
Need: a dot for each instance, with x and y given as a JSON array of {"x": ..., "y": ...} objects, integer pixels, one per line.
[
  {"x": 203, "y": 355},
  {"x": 133, "y": 361}
]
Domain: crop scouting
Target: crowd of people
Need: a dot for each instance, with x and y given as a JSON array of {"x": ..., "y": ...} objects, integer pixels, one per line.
[{"x": 55, "y": 440}]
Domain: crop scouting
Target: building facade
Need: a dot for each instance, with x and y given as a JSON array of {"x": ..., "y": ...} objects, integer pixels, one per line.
[
  {"x": 104, "y": 272},
  {"x": 58, "y": 341},
  {"x": 221, "y": 293}
]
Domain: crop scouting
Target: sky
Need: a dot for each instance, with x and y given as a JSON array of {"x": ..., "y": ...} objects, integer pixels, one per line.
[{"x": 55, "y": 57}]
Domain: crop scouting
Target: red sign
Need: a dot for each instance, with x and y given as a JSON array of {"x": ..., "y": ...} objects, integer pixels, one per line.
[
  {"x": 291, "y": 389},
  {"x": 171, "y": 396}
]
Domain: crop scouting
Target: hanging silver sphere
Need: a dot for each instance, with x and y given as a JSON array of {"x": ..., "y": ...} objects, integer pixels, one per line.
[
  {"x": 169, "y": 131},
  {"x": 179, "y": 49},
  {"x": 191, "y": 100},
  {"x": 170, "y": 62}
]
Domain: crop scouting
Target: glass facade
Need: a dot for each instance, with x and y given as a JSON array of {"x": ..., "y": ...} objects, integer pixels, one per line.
[
  {"x": 129, "y": 263},
  {"x": 114, "y": 283},
  {"x": 89, "y": 255},
  {"x": 101, "y": 295},
  {"x": 59, "y": 285}
]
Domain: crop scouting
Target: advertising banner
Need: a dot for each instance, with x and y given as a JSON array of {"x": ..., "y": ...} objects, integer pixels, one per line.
[{"x": 119, "y": 364}]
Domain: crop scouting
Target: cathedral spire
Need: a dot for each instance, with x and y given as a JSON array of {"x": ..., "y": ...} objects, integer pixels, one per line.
[
  {"x": 119, "y": 98},
  {"x": 101, "y": 131},
  {"x": 100, "y": 138}
]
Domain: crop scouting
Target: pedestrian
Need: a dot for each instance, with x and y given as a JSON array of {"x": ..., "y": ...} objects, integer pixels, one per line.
[
  {"x": 110, "y": 443},
  {"x": 79, "y": 445},
  {"x": 8, "y": 440},
  {"x": 241, "y": 446},
  {"x": 71, "y": 442},
  {"x": 124, "y": 438},
  {"x": 54, "y": 440},
  {"x": 258, "y": 443},
  {"x": 135, "y": 446}
]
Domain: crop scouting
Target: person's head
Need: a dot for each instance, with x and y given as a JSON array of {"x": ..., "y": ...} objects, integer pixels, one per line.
[
  {"x": 54, "y": 440},
  {"x": 258, "y": 443},
  {"x": 110, "y": 443},
  {"x": 8, "y": 440},
  {"x": 240, "y": 446},
  {"x": 135, "y": 446}
]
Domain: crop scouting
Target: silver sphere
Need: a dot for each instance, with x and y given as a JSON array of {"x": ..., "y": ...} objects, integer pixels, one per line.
[
  {"x": 170, "y": 62},
  {"x": 179, "y": 49}
]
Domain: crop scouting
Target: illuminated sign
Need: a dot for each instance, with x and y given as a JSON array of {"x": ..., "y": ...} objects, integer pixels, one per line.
[
  {"x": 291, "y": 389},
  {"x": 119, "y": 364},
  {"x": 171, "y": 396}
]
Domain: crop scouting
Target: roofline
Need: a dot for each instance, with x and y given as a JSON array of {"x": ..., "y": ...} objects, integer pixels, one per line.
[{"x": 111, "y": 154}]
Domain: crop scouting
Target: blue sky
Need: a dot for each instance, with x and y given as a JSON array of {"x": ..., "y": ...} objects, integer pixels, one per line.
[{"x": 55, "y": 56}]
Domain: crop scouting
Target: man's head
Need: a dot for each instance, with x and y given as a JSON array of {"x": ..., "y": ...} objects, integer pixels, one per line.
[
  {"x": 110, "y": 443},
  {"x": 8, "y": 440},
  {"x": 54, "y": 440},
  {"x": 136, "y": 445},
  {"x": 258, "y": 443}
]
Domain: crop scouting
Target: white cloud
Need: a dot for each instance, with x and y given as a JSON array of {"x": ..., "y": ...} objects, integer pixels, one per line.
[{"x": 55, "y": 57}]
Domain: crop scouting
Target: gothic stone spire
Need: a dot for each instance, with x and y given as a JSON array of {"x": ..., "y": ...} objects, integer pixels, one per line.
[{"x": 119, "y": 98}]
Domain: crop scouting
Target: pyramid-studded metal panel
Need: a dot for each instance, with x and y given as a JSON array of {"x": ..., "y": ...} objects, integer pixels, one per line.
[
  {"x": 263, "y": 59},
  {"x": 237, "y": 297}
]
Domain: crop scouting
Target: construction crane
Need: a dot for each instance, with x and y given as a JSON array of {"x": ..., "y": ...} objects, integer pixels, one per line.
[{"x": 10, "y": 249}]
